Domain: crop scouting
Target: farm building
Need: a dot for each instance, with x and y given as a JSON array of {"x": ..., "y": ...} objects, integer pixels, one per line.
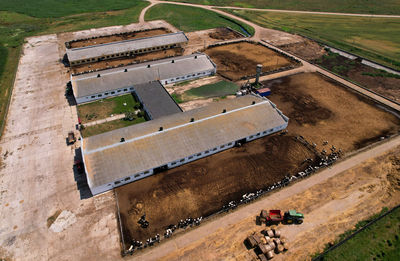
[
  {"x": 155, "y": 100},
  {"x": 117, "y": 81},
  {"x": 94, "y": 53},
  {"x": 121, "y": 156}
]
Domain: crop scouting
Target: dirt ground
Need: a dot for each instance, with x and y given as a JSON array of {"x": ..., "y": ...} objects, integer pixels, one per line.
[
  {"x": 321, "y": 110},
  {"x": 331, "y": 207},
  {"x": 307, "y": 49},
  {"x": 202, "y": 187},
  {"x": 119, "y": 37},
  {"x": 224, "y": 33},
  {"x": 127, "y": 60},
  {"x": 238, "y": 60},
  {"x": 199, "y": 40},
  {"x": 357, "y": 72}
]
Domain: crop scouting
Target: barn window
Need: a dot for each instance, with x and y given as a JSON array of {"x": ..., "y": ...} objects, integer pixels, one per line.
[
  {"x": 117, "y": 182},
  {"x": 173, "y": 163},
  {"x": 230, "y": 143},
  {"x": 112, "y": 92},
  {"x": 198, "y": 154},
  {"x": 190, "y": 157},
  {"x": 106, "y": 93},
  {"x": 125, "y": 90},
  {"x": 146, "y": 172},
  {"x": 182, "y": 160},
  {"x": 93, "y": 97},
  {"x": 137, "y": 175},
  {"x": 206, "y": 152},
  {"x": 223, "y": 146},
  {"x": 119, "y": 91},
  {"x": 214, "y": 149},
  {"x": 128, "y": 178},
  {"x": 99, "y": 95}
]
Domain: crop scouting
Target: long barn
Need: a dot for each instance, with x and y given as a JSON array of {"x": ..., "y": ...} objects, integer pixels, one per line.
[
  {"x": 111, "y": 82},
  {"x": 106, "y": 51},
  {"x": 121, "y": 156}
]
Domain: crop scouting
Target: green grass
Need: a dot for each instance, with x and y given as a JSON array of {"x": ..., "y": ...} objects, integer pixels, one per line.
[
  {"x": 59, "y": 8},
  {"x": 190, "y": 19},
  {"x": 342, "y": 6},
  {"x": 219, "y": 89},
  {"x": 377, "y": 39},
  {"x": 109, "y": 126},
  {"x": 102, "y": 109},
  {"x": 380, "y": 241},
  {"x": 15, "y": 27}
]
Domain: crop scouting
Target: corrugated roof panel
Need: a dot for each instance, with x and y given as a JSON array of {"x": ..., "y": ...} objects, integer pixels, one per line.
[
  {"x": 108, "y": 160},
  {"x": 88, "y": 52}
]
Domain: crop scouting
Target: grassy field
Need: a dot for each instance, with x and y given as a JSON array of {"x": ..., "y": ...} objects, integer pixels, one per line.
[
  {"x": 219, "y": 89},
  {"x": 109, "y": 126},
  {"x": 58, "y": 8},
  {"x": 341, "y": 6},
  {"x": 102, "y": 109},
  {"x": 375, "y": 38},
  {"x": 191, "y": 19},
  {"x": 14, "y": 27},
  {"x": 380, "y": 241}
]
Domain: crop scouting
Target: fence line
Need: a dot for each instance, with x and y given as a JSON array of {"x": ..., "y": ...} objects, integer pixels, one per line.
[{"x": 320, "y": 257}]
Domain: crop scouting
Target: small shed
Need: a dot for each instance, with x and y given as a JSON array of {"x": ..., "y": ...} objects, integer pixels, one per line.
[{"x": 264, "y": 92}]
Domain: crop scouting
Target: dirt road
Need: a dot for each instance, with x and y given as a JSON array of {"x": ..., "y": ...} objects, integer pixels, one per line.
[{"x": 222, "y": 238}]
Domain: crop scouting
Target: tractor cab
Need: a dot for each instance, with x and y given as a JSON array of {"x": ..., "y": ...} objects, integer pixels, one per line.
[{"x": 292, "y": 216}]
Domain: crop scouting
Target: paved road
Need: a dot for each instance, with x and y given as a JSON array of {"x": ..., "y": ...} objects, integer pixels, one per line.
[{"x": 222, "y": 222}]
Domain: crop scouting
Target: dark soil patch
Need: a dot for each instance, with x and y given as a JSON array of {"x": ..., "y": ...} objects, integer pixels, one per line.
[{"x": 203, "y": 187}]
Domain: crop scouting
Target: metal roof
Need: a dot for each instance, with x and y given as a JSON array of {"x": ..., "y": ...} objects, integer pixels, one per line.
[
  {"x": 117, "y": 78},
  {"x": 145, "y": 147},
  {"x": 156, "y": 99},
  {"x": 100, "y": 50}
]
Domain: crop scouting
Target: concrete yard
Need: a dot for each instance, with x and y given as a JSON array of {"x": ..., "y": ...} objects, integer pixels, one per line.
[{"x": 37, "y": 178}]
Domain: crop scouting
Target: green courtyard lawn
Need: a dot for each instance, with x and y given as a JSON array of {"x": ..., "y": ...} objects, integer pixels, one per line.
[
  {"x": 24, "y": 18},
  {"x": 380, "y": 241},
  {"x": 190, "y": 19},
  {"x": 109, "y": 126},
  {"x": 377, "y": 39},
  {"x": 215, "y": 90},
  {"x": 104, "y": 108},
  {"x": 339, "y": 6}
]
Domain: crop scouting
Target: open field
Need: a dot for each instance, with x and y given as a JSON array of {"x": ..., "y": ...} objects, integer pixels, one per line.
[
  {"x": 189, "y": 19},
  {"x": 342, "y": 6},
  {"x": 119, "y": 37},
  {"x": 127, "y": 60},
  {"x": 322, "y": 110},
  {"x": 202, "y": 187},
  {"x": 54, "y": 8},
  {"x": 104, "y": 108},
  {"x": 238, "y": 60},
  {"x": 109, "y": 126},
  {"x": 379, "y": 241},
  {"x": 383, "y": 83},
  {"x": 377, "y": 39},
  {"x": 15, "y": 27},
  {"x": 218, "y": 89}
]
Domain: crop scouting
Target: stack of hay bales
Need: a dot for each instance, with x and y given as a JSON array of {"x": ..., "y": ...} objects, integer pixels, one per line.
[{"x": 270, "y": 243}]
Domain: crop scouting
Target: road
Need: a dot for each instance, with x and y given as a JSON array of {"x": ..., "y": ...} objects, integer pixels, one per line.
[{"x": 223, "y": 222}]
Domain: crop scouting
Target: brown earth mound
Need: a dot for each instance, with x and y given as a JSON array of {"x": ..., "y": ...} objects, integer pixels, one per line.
[
  {"x": 238, "y": 60},
  {"x": 224, "y": 33}
]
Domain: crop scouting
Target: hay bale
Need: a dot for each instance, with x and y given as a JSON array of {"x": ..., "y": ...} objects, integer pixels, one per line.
[
  {"x": 270, "y": 254},
  {"x": 277, "y": 241},
  {"x": 272, "y": 244},
  {"x": 268, "y": 239},
  {"x": 279, "y": 249},
  {"x": 277, "y": 233},
  {"x": 283, "y": 240},
  {"x": 262, "y": 257},
  {"x": 270, "y": 233}
]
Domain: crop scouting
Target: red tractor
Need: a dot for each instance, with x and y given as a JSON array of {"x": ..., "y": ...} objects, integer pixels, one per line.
[{"x": 275, "y": 216}]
